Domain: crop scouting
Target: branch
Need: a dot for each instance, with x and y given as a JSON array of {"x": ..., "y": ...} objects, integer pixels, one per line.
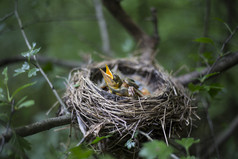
[
  {"x": 228, "y": 39},
  {"x": 222, "y": 64},
  {"x": 37, "y": 127},
  {"x": 6, "y": 16},
  {"x": 146, "y": 43},
  {"x": 221, "y": 138},
  {"x": 40, "y": 59},
  {"x": 34, "y": 57},
  {"x": 103, "y": 27}
]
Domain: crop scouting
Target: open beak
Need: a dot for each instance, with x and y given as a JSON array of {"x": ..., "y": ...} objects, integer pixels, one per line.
[{"x": 108, "y": 77}]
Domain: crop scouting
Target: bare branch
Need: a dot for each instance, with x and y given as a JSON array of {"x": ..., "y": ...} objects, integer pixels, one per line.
[
  {"x": 103, "y": 27},
  {"x": 228, "y": 39},
  {"x": 41, "y": 59},
  {"x": 223, "y": 63},
  {"x": 6, "y": 16},
  {"x": 221, "y": 138},
  {"x": 146, "y": 43},
  {"x": 205, "y": 104},
  {"x": 155, "y": 23},
  {"x": 37, "y": 127}
]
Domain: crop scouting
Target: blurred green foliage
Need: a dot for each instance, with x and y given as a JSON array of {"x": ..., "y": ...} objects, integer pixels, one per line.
[{"x": 69, "y": 30}]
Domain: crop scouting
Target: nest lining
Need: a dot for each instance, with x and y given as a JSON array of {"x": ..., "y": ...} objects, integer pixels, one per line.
[{"x": 166, "y": 111}]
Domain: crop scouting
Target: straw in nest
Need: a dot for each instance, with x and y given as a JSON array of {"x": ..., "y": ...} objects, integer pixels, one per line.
[{"x": 165, "y": 113}]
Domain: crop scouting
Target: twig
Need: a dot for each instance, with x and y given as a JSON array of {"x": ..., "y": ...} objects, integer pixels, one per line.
[
  {"x": 206, "y": 25},
  {"x": 41, "y": 59},
  {"x": 103, "y": 27},
  {"x": 146, "y": 43},
  {"x": 210, "y": 124},
  {"x": 221, "y": 138},
  {"x": 37, "y": 127},
  {"x": 8, "y": 125},
  {"x": 155, "y": 23},
  {"x": 6, "y": 16},
  {"x": 146, "y": 135},
  {"x": 34, "y": 57},
  {"x": 223, "y": 63},
  {"x": 228, "y": 39}
]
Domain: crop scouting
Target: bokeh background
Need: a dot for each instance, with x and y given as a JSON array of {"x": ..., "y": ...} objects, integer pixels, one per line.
[{"x": 68, "y": 30}]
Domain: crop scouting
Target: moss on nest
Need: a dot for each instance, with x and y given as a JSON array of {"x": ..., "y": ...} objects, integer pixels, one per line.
[{"x": 168, "y": 111}]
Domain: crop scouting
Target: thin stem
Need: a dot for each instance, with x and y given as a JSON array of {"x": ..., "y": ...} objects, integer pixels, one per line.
[
  {"x": 210, "y": 123},
  {"x": 34, "y": 57},
  {"x": 8, "y": 125},
  {"x": 103, "y": 27},
  {"x": 228, "y": 39}
]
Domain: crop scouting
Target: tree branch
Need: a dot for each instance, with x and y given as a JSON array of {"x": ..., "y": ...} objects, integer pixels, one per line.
[
  {"x": 37, "y": 127},
  {"x": 146, "y": 43},
  {"x": 221, "y": 138},
  {"x": 6, "y": 16},
  {"x": 223, "y": 63},
  {"x": 34, "y": 57},
  {"x": 41, "y": 59},
  {"x": 103, "y": 27}
]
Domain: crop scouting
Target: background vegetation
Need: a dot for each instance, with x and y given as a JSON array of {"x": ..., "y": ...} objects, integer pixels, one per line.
[{"x": 68, "y": 30}]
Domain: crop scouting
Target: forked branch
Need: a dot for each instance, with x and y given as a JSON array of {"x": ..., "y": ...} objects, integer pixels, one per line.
[{"x": 146, "y": 43}]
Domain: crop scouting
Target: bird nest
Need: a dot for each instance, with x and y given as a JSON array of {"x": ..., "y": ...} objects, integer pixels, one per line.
[{"x": 165, "y": 113}]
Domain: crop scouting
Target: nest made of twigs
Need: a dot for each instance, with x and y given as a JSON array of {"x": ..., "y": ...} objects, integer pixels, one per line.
[{"x": 164, "y": 113}]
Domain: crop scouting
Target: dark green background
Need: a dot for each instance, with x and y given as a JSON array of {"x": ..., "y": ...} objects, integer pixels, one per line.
[{"x": 68, "y": 30}]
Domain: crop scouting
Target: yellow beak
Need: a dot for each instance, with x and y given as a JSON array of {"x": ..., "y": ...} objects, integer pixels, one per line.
[{"x": 108, "y": 77}]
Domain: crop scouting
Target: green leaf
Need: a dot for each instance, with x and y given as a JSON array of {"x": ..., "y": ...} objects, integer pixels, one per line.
[
  {"x": 26, "y": 54},
  {"x": 26, "y": 66},
  {"x": 22, "y": 87},
  {"x": 187, "y": 143},
  {"x": 194, "y": 88},
  {"x": 23, "y": 69},
  {"x": 99, "y": 139},
  {"x": 208, "y": 56},
  {"x": 130, "y": 143},
  {"x": 227, "y": 26},
  {"x": 204, "y": 40},
  {"x": 4, "y": 72},
  {"x": 18, "y": 71},
  {"x": 20, "y": 145},
  {"x": 207, "y": 76},
  {"x": 76, "y": 85},
  {"x": 21, "y": 100},
  {"x": 32, "y": 72},
  {"x": 155, "y": 149},
  {"x": 214, "y": 89},
  {"x": 2, "y": 96},
  {"x": 79, "y": 152},
  {"x": 219, "y": 19},
  {"x": 33, "y": 45},
  {"x": 34, "y": 52},
  {"x": 31, "y": 52},
  {"x": 27, "y": 103},
  {"x": 200, "y": 69}
]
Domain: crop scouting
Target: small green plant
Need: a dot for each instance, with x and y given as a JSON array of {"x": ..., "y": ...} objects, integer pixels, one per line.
[
  {"x": 80, "y": 152},
  {"x": 159, "y": 150},
  {"x": 187, "y": 143},
  {"x": 26, "y": 65},
  {"x": 156, "y": 149},
  {"x": 9, "y": 107}
]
